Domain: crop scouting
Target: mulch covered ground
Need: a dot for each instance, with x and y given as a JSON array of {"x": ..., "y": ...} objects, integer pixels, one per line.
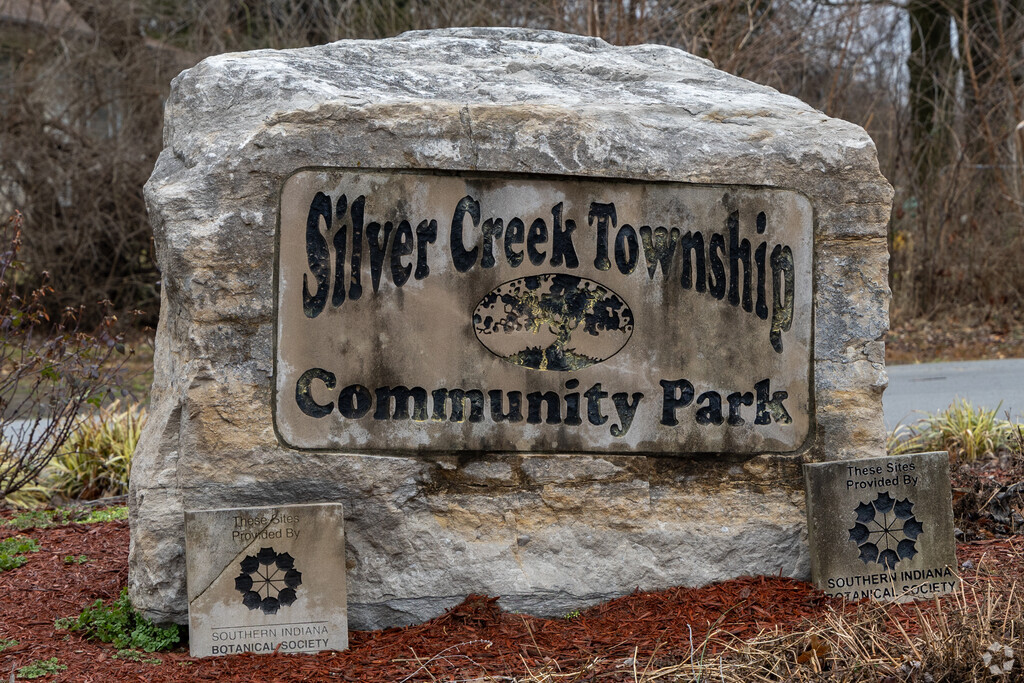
[
  {"x": 988, "y": 498},
  {"x": 472, "y": 641}
]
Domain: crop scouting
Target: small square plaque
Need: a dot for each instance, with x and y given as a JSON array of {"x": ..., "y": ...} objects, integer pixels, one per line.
[
  {"x": 882, "y": 528},
  {"x": 266, "y": 579}
]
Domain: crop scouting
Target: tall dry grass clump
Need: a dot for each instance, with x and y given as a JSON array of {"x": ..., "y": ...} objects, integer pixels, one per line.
[
  {"x": 971, "y": 635},
  {"x": 969, "y": 433},
  {"x": 975, "y": 634}
]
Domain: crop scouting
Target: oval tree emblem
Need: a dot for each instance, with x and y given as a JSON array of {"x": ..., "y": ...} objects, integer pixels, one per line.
[{"x": 553, "y": 322}]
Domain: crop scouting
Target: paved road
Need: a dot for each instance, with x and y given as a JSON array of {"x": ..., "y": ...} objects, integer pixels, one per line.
[{"x": 931, "y": 387}]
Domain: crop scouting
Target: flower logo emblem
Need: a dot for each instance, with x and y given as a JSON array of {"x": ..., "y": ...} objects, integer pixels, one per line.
[
  {"x": 886, "y": 530},
  {"x": 268, "y": 580}
]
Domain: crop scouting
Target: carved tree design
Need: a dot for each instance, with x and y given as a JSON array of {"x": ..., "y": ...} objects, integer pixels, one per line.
[{"x": 559, "y": 303}]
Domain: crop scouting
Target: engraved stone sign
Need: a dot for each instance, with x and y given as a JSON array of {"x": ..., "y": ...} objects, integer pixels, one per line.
[
  {"x": 882, "y": 528},
  {"x": 522, "y": 301},
  {"x": 266, "y": 579},
  {"x": 573, "y": 315}
]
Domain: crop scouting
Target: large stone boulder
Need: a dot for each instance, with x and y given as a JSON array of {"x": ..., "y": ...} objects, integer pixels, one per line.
[{"x": 548, "y": 531}]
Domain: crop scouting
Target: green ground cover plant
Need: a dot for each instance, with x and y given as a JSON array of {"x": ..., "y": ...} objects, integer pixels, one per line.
[
  {"x": 6, "y": 643},
  {"x": 39, "y": 519},
  {"x": 136, "y": 656},
  {"x": 13, "y": 549},
  {"x": 105, "y": 515},
  {"x": 45, "y": 519},
  {"x": 43, "y": 667},
  {"x": 119, "y": 623}
]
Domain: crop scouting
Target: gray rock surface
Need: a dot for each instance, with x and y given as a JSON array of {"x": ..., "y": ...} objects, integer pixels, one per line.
[{"x": 547, "y": 533}]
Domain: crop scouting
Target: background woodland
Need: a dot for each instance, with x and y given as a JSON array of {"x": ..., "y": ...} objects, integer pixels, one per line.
[{"x": 939, "y": 85}]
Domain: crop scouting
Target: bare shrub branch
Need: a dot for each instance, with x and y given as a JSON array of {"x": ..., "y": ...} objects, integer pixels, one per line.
[{"x": 49, "y": 370}]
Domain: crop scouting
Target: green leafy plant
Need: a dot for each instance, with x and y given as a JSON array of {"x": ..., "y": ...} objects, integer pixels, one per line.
[
  {"x": 43, "y": 667},
  {"x": 7, "y": 643},
  {"x": 13, "y": 549},
  {"x": 44, "y": 519},
  {"x": 106, "y": 515},
  {"x": 29, "y": 496},
  {"x": 76, "y": 559},
  {"x": 96, "y": 460},
  {"x": 136, "y": 656},
  {"x": 969, "y": 433},
  {"x": 39, "y": 519},
  {"x": 119, "y": 623},
  {"x": 572, "y": 615}
]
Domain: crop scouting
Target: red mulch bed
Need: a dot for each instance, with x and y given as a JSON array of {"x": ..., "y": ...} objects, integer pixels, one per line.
[{"x": 471, "y": 641}]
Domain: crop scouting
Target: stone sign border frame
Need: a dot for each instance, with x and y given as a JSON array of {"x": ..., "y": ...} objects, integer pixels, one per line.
[{"x": 799, "y": 451}]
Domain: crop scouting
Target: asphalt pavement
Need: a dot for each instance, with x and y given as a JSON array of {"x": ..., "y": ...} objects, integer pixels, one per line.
[{"x": 931, "y": 387}]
